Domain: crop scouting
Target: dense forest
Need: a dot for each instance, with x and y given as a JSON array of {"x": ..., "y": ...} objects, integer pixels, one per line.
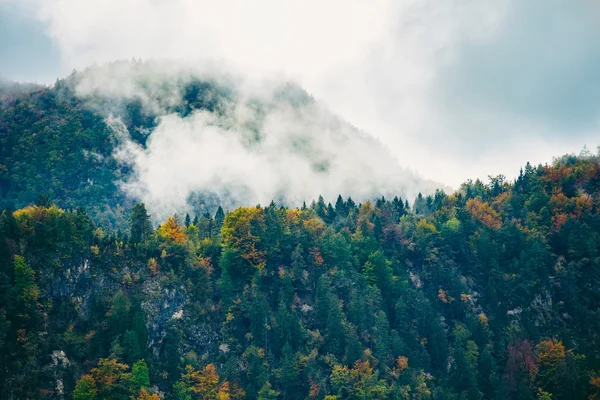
[
  {"x": 52, "y": 145},
  {"x": 489, "y": 292}
]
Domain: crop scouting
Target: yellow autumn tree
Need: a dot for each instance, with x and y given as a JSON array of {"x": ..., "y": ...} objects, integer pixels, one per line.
[
  {"x": 109, "y": 372},
  {"x": 594, "y": 385},
  {"x": 204, "y": 383},
  {"x": 401, "y": 363},
  {"x": 85, "y": 389},
  {"x": 549, "y": 356},
  {"x": 153, "y": 266},
  {"x": 37, "y": 214},
  {"x": 144, "y": 395},
  {"x": 364, "y": 222},
  {"x": 241, "y": 232},
  {"x": 223, "y": 393},
  {"x": 34, "y": 220},
  {"x": 170, "y": 230},
  {"x": 360, "y": 382}
]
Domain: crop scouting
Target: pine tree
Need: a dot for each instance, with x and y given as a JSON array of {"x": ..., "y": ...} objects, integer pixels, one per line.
[
  {"x": 487, "y": 377},
  {"x": 131, "y": 346},
  {"x": 353, "y": 346},
  {"x": 381, "y": 336},
  {"x": 140, "y": 227},
  {"x": 330, "y": 216},
  {"x": 299, "y": 266},
  {"x": 26, "y": 293},
  {"x": 289, "y": 373},
  {"x": 226, "y": 287},
  {"x": 322, "y": 301},
  {"x": 119, "y": 312},
  {"x": 334, "y": 330},
  {"x": 350, "y": 204},
  {"x": 321, "y": 208},
  {"x": 340, "y": 207},
  {"x": 219, "y": 218}
]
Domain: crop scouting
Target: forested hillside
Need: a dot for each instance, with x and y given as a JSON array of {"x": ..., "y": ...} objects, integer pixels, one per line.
[
  {"x": 52, "y": 145},
  {"x": 489, "y": 292}
]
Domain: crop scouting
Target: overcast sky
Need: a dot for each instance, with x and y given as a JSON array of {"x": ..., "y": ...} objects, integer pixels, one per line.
[{"x": 456, "y": 89}]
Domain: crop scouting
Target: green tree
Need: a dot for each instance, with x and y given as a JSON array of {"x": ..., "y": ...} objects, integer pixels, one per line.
[
  {"x": 341, "y": 207},
  {"x": 267, "y": 392},
  {"x": 219, "y": 218},
  {"x": 140, "y": 226},
  {"x": 139, "y": 375},
  {"x": 289, "y": 373},
  {"x": 85, "y": 388},
  {"x": 334, "y": 329},
  {"x": 26, "y": 293},
  {"x": 119, "y": 312},
  {"x": 131, "y": 345}
]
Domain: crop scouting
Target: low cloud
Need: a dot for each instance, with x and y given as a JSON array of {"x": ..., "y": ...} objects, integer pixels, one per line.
[
  {"x": 263, "y": 141},
  {"x": 455, "y": 89},
  {"x": 485, "y": 88}
]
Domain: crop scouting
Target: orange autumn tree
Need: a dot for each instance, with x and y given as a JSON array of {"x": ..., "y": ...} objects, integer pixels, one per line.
[
  {"x": 109, "y": 379},
  {"x": 110, "y": 372},
  {"x": 484, "y": 213},
  {"x": 521, "y": 367},
  {"x": 550, "y": 356},
  {"x": 202, "y": 384},
  {"x": 170, "y": 230},
  {"x": 594, "y": 385},
  {"x": 144, "y": 395}
]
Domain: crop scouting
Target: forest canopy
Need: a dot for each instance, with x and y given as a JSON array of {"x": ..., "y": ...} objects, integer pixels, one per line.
[{"x": 488, "y": 292}]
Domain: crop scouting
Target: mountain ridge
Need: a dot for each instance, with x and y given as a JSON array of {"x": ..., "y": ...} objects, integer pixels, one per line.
[{"x": 267, "y": 125}]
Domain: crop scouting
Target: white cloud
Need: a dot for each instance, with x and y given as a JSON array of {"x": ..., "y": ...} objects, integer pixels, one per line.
[
  {"x": 297, "y": 152},
  {"x": 303, "y": 38},
  {"x": 455, "y": 89},
  {"x": 461, "y": 89}
]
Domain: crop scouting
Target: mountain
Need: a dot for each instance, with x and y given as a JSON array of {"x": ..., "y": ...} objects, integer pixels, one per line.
[
  {"x": 489, "y": 292},
  {"x": 9, "y": 90},
  {"x": 183, "y": 139},
  {"x": 175, "y": 232}
]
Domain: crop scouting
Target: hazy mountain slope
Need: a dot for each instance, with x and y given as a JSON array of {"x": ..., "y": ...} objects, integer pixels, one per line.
[
  {"x": 9, "y": 90},
  {"x": 51, "y": 145},
  {"x": 182, "y": 139}
]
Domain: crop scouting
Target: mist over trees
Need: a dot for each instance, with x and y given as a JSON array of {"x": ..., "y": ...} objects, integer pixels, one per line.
[{"x": 183, "y": 140}]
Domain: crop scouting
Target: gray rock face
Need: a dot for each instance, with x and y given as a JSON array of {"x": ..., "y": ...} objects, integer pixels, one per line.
[
  {"x": 163, "y": 305},
  {"x": 80, "y": 282}
]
